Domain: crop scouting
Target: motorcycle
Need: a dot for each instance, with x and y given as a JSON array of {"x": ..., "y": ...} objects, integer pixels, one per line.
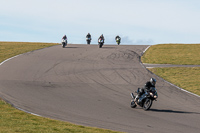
[
  {"x": 88, "y": 40},
  {"x": 101, "y": 42},
  {"x": 146, "y": 99},
  {"x": 118, "y": 40},
  {"x": 64, "y": 42}
]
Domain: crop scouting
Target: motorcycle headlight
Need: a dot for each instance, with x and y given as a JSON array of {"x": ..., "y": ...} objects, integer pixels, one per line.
[{"x": 155, "y": 97}]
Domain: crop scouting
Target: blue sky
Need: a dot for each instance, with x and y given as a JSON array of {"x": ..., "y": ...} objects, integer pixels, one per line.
[{"x": 142, "y": 22}]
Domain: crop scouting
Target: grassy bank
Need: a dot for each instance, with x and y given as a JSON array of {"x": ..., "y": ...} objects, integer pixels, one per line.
[
  {"x": 182, "y": 54},
  {"x": 13, "y": 120},
  {"x": 186, "y": 78},
  {"x": 10, "y": 49}
]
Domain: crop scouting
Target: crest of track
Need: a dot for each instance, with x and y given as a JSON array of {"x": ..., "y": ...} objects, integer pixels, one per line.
[{"x": 89, "y": 86}]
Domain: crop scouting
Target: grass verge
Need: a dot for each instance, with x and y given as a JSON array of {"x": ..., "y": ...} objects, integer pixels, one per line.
[
  {"x": 186, "y": 78},
  {"x": 13, "y": 120},
  {"x": 187, "y": 54},
  {"x": 181, "y": 54},
  {"x": 10, "y": 49}
]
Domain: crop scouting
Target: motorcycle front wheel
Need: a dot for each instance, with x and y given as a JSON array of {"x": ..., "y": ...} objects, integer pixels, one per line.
[
  {"x": 147, "y": 104},
  {"x": 100, "y": 45},
  {"x": 63, "y": 45},
  {"x": 133, "y": 105},
  {"x": 88, "y": 42}
]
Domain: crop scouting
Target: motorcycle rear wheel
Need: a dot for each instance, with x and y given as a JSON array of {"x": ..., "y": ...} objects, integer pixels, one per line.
[{"x": 147, "y": 104}]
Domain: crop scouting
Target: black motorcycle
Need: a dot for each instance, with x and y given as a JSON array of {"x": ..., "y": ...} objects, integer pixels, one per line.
[
  {"x": 118, "y": 40},
  {"x": 101, "y": 42},
  {"x": 88, "y": 39},
  {"x": 146, "y": 99}
]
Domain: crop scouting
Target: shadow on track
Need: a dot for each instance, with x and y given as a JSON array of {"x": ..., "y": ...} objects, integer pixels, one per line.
[{"x": 172, "y": 111}]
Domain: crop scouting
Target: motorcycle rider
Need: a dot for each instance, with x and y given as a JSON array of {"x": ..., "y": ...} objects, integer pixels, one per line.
[
  {"x": 118, "y": 37},
  {"x": 147, "y": 87},
  {"x": 88, "y": 36},
  {"x": 102, "y": 38},
  {"x": 64, "y": 37}
]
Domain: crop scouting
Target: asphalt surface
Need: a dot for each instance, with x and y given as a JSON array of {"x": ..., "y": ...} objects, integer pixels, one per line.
[{"x": 89, "y": 86}]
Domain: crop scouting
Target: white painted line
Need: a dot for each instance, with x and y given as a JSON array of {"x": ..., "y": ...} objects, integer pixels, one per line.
[
  {"x": 149, "y": 67},
  {"x": 26, "y": 111},
  {"x": 181, "y": 89},
  {"x": 9, "y": 59},
  {"x": 146, "y": 49}
]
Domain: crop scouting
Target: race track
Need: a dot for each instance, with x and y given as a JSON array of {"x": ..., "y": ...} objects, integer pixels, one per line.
[{"x": 89, "y": 86}]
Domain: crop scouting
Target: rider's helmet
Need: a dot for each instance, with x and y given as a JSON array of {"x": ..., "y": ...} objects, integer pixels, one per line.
[
  {"x": 64, "y": 37},
  {"x": 153, "y": 81}
]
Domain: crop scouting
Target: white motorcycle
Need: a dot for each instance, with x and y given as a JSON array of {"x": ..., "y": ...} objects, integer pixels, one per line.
[
  {"x": 64, "y": 43},
  {"x": 101, "y": 42}
]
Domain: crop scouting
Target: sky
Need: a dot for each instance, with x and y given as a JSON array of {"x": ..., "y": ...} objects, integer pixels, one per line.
[{"x": 137, "y": 22}]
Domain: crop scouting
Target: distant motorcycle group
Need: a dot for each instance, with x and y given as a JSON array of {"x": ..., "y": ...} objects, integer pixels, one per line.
[
  {"x": 101, "y": 40},
  {"x": 89, "y": 39}
]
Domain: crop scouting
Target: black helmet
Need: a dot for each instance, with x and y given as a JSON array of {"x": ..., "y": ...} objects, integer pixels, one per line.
[{"x": 153, "y": 81}]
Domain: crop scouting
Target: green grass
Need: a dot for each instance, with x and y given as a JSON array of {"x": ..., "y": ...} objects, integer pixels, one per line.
[
  {"x": 13, "y": 120},
  {"x": 186, "y": 78},
  {"x": 182, "y": 54}
]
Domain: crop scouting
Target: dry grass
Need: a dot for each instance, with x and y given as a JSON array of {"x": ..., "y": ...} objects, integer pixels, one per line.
[
  {"x": 182, "y": 54},
  {"x": 186, "y": 78},
  {"x": 10, "y": 49}
]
